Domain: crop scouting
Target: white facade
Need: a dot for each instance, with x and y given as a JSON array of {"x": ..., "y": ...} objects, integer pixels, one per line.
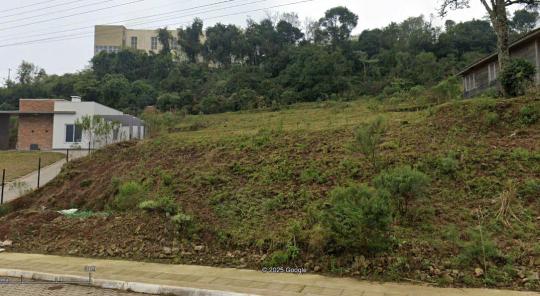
[{"x": 67, "y": 113}]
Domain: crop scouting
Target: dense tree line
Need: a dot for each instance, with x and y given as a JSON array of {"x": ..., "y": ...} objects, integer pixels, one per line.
[{"x": 273, "y": 62}]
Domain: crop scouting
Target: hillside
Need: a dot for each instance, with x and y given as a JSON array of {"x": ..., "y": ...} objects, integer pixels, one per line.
[{"x": 252, "y": 189}]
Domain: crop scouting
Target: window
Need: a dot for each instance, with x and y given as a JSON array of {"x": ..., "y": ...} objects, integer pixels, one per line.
[
  {"x": 470, "y": 82},
  {"x": 492, "y": 71},
  {"x": 134, "y": 42},
  {"x": 154, "y": 43},
  {"x": 73, "y": 133},
  {"x": 116, "y": 131}
]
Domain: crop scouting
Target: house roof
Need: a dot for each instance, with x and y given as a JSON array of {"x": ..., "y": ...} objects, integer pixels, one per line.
[
  {"x": 124, "y": 120},
  {"x": 528, "y": 37}
]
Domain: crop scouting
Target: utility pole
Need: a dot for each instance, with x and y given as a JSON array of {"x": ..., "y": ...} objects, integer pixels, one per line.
[{"x": 9, "y": 75}]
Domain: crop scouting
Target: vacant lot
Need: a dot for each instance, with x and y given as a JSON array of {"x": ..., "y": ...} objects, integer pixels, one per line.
[
  {"x": 18, "y": 163},
  {"x": 258, "y": 189}
]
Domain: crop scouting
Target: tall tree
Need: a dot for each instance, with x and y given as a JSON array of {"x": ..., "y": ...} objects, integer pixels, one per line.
[
  {"x": 524, "y": 20},
  {"x": 164, "y": 37},
  {"x": 498, "y": 14},
  {"x": 190, "y": 40},
  {"x": 224, "y": 44},
  {"x": 336, "y": 25}
]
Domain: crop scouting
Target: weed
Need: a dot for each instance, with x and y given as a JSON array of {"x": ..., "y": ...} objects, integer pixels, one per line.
[
  {"x": 478, "y": 249},
  {"x": 358, "y": 217},
  {"x": 130, "y": 194},
  {"x": 530, "y": 189},
  {"x": 312, "y": 175},
  {"x": 85, "y": 183},
  {"x": 368, "y": 137},
  {"x": 448, "y": 165},
  {"x": 164, "y": 204},
  {"x": 87, "y": 214},
  {"x": 5, "y": 209},
  {"x": 404, "y": 185},
  {"x": 492, "y": 119},
  {"x": 183, "y": 222},
  {"x": 530, "y": 114}
]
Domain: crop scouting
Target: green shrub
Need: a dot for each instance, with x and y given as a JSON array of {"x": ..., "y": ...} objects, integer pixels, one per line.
[
  {"x": 368, "y": 137},
  {"x": 492, "y": 119},
  {"x": 530, "y": 189},
  {"x": 529, "y": 114},
  {"x": 183, "y": 222},
  {"x": 130, "y": 194},
  {"x": 164, "y": 204},
  {"x": 85, "y": 183},
  {"x": 478, "y": 248},
  {"x": 5, "y": 209},
  {"x": 404, "y": 185},
  {"x": 517, "y": 76},
  {"x": 312, "y": 176},
  {"x": 448, "y": 165},
  {"x": 277, "y": 259},
  {"x": 357, "y": 218}
]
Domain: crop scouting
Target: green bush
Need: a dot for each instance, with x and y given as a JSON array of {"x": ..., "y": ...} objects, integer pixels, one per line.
[
  {"x": 5, "y": 209},
  {"x": 530, "y": 189},
  {"x": 368, "y": 137},
  {"x": 358, "y": 218},
  {"x": 517, "y": 76},
  {"x": 164, "y": 204},
  {"x": 311, "y": 175},
  {"x": 480, "y": 246},
  {"x": 404, "y": 185},
  {"x": 448, "y": 165},
  {"x": 529, "y": 114},
  {"x": 492, "y": 119},
  {"x": 130, "y": 194},
  {"x": 183, "y": 222}
]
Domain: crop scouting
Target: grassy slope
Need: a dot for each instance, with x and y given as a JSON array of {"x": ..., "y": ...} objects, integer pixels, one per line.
[
  {"x": 18, "y": 164},
  {"x": 248, "y": 178}
]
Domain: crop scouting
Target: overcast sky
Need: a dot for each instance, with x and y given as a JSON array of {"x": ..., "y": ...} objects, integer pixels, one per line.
[{"x": 32, "y": 20}]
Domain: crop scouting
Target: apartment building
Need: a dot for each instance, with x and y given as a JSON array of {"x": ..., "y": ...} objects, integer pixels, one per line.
[{"x": 116, "y": 38}]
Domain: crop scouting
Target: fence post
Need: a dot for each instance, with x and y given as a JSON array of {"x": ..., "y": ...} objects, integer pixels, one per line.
[
  {"x": 3, "y": 183},
  {"x": 89, "y": 147},
  {"x": 39, "y": 172},
  {"x": 67, "y": 155}
]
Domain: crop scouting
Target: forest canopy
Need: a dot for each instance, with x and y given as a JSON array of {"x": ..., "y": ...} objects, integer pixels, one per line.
[{"x": 273, "y": 62}]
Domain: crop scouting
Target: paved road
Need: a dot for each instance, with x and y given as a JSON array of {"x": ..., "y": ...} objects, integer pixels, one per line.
[
  {"x": 35, "y": 289},
  {"x": 21, "y": 186},
  {"x": 226, "y": 279}
]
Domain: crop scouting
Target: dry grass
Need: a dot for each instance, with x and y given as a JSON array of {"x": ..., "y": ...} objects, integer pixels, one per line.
[{"x": 18, "y": 163}]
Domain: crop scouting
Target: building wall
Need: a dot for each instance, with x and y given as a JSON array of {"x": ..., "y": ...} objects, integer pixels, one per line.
[
  {"x": 109, "y": 38},
  {"x": 36, "y": 105},
  {"x": 529, "y": 51},
  {"x": 35, "y": 129},
  {"x": 81, "y": 109}
]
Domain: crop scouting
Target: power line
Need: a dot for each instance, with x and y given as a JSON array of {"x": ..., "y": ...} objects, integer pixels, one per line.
[
  {"x": 26, "y": 6},
  {"x": 73, "y": 37},
  {"x": 71, "y": 15},
  {"x": 146, "y": 22},
  {"x": 42, "y": 8},
  {"x": 44, "y": 31},
  {"x": 60, "y": 11},
  {"x": 153, "y": 15}
]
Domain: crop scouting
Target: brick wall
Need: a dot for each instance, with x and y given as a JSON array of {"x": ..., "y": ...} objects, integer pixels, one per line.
[
  {"x": 35, "y": 129},
  {"x": 36, "y": 105}
]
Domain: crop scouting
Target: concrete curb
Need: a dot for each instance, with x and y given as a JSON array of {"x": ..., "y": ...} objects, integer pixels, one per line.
[{"x": 116, "y": 285}]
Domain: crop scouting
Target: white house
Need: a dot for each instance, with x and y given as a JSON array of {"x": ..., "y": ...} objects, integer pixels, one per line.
[{"x": 50, "y": 124}]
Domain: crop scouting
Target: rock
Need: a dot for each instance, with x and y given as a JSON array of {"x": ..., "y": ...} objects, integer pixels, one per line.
[
  {"x": 533, "y": 276},
  {"x": 317, "y": 268},
  {"x": 537, "y": 261},
  {"x": 455, "y": 272},
  {"x": 199, "y": 248},
  {"x": 6, "y": 243},
  {"x": 167, "y": 250},
  {"x": 478, "y": 272},
  {"x": 2, "y": 250}
]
